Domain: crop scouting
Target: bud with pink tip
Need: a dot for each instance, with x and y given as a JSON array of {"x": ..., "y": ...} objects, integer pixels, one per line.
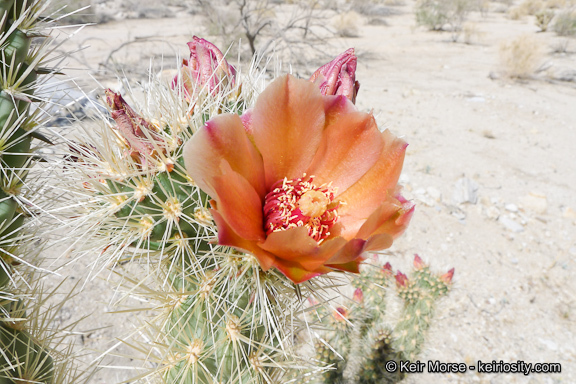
[
  {"x": 338, "y": 77},
  {"x": 206, "y": 69},
  {"x": 418, "y": 263},
  {"x": 401, "y": 279},
  {"x": 447, "y": 277},
  {"x": 140, "y": 135},
  {"x": 387, "y": 269},
  {"x": 358, "y": 295}
]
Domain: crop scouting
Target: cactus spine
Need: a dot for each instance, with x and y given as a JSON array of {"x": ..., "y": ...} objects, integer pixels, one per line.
[
  {"x": 218, "y": 318},
  {"x": 366, "y": 339},
  {"x": 28, "y": 344}
]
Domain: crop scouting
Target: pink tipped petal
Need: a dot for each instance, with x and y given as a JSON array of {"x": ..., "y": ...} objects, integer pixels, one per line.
[
  {"x": 227, "y": 236},
  {"x": 390, "y": 218},
  {"x": 296, "y": 246},
  {"x": 290, "y": 244},
  {"x": 296, "y": 273},
  {"x": 239, "y": 203},
  {"x": 287, "y": 123},
  {"x": 374, "y": 187},
  {"x": 350, "y": 252},
  {"x": 325, "y": 252},
  {"x": 352, "y": 267},
  {"x": 350, "y": 146},
  {"x": 378, "y": 242},
  {"x": 223, "y": 137}
]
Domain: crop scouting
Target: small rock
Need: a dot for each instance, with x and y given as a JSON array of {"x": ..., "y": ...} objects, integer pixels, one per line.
[
  {"x": 404, "y": 179},
  {"x": 434, "y": 194},
  {"x": 510, "y": 224},
  {"x": 477, "y": 99},
  {"x": 569, "y": 213},
  {"x": 511, "y": 207},
  {"x": 550, "y": 344},
  {"x": 572, "y": 251},
  {"x": 492, "y": 213},
  {"x": 535, "y": 202},
  {"x": 465, "y": 191},
  {"x": 514, "y": 260}
]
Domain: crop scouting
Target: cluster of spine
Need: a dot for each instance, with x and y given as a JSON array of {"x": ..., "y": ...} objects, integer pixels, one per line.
[
  {"x": 360, "y": 339},
  {"x": 25, "y": 355},
  {"x": 217, "y": 317}
]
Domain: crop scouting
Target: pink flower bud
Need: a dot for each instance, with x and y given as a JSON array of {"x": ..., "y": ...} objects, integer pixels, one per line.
[
  {"x": 358, "y": 295},
  {"x": 401, "y": 279},
  {"x": 447, "y": 277},
  {"x": 139, "y": 134},
  {"x": 387, "y": 269},
  {"x": 418, "y": 263},
  {"x": 338, "y": 77},
  {"x": 206, "y": 69},
  {"x": 341, "y": 314}
]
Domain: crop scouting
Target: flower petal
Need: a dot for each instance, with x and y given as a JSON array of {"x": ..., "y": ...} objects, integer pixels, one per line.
[
  {"x": 296, "y": 246},
  {"x": 227, "y": 236},
  {"x": 349, "y": 252},
  {"x": 287, "y": 124},
  {"x": 290, "y": 244},
  {"x": 238, "y": 203},
  {"x": 391, "y": 218},
  {"x": 223, "y": 137},
  {"x": 352, "y": 266},
  {"x": 368, "y": 193},
  {"x": 350, "y": 146},
  {"x": 296, "y": 273}
]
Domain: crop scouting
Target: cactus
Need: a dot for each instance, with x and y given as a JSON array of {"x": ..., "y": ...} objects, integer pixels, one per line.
[
  {"x": 31, "y": 350},
  {"x": 217, "y": 316},
  {"x": 368, "y": 340}
]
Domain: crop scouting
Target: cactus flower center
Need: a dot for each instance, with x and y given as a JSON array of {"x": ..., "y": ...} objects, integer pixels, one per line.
[{"x": 300, "y": 203}]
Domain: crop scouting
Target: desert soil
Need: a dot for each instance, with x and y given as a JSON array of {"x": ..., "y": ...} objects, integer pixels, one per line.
[{"x": 491, "y": 165}]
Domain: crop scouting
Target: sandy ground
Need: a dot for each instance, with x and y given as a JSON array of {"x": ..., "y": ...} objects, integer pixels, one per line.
[{"x": 510, "y": 144}]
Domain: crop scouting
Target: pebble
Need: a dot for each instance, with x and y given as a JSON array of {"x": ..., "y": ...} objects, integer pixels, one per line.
[
  {"x": 510, "y": 224},
  {"x": 465, "y": 191},
  {"x": 434, "y": 193},
  {"x": 492, "y": 212},
  {"x": 569, "y": 213},
  {"x": 535, "y": 202},
  {"x": 511, "y": 207},
  {"x": 550, "y": 344}
]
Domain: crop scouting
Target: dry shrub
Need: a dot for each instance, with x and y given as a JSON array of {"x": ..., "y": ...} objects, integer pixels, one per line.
[
  {"x": 435, "y": 14},
  {"x": 517, "y": 13},
  {"x": 394, "y": 3},
  {"x": 565, "y": 22},
  {"x": 471, "y": 33},
  {"x": 528, "y": 7},
  {"x": 532, "y": 7},
  {"x": 556, "y": 4},
  {"x": 522, "y": 56},
  {"x": 543, "y": 19},
  {"x": 347, "y": 24}
]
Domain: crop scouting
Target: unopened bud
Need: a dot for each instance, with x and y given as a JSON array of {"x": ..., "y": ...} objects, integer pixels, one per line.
[
  {"x": 447, "y": 277},
  {"x": 401, "y": 279},
  {"x": 338, "y": 77},
  {"x": 418, "y": 263}
]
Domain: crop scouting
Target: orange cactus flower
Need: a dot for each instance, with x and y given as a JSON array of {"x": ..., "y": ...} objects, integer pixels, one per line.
[{"x": 304, "y": 182}]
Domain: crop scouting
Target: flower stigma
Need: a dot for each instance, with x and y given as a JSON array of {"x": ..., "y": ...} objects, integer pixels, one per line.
[{"x": 300, "y": 203}]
